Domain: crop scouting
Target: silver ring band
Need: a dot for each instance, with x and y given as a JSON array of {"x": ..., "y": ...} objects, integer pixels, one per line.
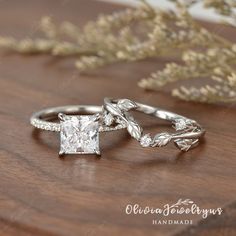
[
  {"x": 79, "y": 132},
  {"x": 187, "y": 133},
  {"x": 41, "y": 119},
  {"x": 79, "y": 127}
]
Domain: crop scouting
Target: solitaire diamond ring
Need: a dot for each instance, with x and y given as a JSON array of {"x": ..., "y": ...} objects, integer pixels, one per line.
[
  {"x": 188, "y": 131},
  {"x": 79, "y": 133}
]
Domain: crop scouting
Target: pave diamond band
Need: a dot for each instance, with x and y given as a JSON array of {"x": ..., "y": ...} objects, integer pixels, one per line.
[
  {"x": 79, "y": 127},
  {"x": 187, "y": 135},
  {"x": 41, "y": 119}
]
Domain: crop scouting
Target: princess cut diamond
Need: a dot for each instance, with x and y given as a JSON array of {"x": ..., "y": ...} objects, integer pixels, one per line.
[{"x": 79, "y": 134}]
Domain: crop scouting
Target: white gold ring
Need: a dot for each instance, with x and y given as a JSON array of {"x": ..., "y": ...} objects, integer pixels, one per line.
[
  {"x": 79, "y": 133},
  {"x": 188, "y": 131},
  {"x": 80, "y": 125}
]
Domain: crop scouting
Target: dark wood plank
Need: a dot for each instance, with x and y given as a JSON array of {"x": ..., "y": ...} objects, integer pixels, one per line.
[{"x": 41, "y": 194}]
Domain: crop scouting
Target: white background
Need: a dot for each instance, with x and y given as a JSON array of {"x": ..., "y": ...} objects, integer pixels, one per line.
[{"x": 198, "y": 11}]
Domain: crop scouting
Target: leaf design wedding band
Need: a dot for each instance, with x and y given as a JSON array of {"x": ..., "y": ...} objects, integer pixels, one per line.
[
  {"x": 80, "y": 125},
  {"x": 187, "y": 135}
]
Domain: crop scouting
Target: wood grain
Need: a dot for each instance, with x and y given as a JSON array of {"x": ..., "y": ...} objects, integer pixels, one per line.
[{"x": 41, "y": 194}]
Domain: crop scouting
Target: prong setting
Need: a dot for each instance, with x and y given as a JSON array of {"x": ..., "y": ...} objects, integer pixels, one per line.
[
  {"x": 97, "y": 117},
  {"x": 61, "y": 153},
  {"x": 62, "y": 117}
]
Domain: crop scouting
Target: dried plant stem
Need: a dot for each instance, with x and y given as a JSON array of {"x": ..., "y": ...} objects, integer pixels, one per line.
[{"x": 146, "y": 32}]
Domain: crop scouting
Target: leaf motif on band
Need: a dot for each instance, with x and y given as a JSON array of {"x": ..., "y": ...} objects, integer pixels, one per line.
[
  {"x": 126, "y": 104},
  {"x": 134, "y": 129},
  {"x": 162, "y": 139},
  {"x": 185, "y": 144},
  {"x": 114, "y": 110},
  {"x": 108, "y": 118}
]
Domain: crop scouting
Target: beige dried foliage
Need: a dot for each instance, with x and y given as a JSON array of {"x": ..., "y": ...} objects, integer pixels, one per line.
[{"x": 146, "y": 32}]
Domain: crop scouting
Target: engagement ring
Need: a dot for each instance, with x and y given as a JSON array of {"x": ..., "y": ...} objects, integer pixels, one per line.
[{"x": 80, "y": 125}]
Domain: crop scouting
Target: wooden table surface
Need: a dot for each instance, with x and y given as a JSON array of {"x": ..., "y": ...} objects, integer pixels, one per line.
[{"x": 41, "y": 194}]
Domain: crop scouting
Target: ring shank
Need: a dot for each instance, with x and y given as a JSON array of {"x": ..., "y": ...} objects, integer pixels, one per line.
[
  {"x": 157, "y": 112},
  {"x": 42, "y": 119},
  {"x": 52, "y": 113},
  {"x": 169, "y": 116},
  {"x": 150, "y": 110},
  {"x": 164, "y": 115}
]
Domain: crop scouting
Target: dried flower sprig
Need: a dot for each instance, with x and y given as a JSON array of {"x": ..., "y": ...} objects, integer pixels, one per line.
[{"x": 146, "y": 32}]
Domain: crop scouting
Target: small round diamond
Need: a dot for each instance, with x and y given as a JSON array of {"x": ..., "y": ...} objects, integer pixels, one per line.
[
  {"x": 108, "y": 119},
  {"x": 146, "y": 140},
  {"x": 180, "y": 124}
]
